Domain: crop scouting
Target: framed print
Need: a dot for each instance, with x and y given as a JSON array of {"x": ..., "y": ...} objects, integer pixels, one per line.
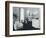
[{"x": 24, "y": 18}]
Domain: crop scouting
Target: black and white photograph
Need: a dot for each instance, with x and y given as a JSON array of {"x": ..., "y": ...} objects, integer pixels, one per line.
[{"x": 24, "y": 18}]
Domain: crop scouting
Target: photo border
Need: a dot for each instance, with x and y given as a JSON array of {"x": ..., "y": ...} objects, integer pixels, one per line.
[{"x": 7, "y": 17}]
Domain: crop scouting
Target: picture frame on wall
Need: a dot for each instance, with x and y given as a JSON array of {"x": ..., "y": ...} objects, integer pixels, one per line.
[{"x": 24, "y": 18}]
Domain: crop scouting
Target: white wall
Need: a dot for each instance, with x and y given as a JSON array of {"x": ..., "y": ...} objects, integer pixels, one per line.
[{"x": 2, "y": 19}]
